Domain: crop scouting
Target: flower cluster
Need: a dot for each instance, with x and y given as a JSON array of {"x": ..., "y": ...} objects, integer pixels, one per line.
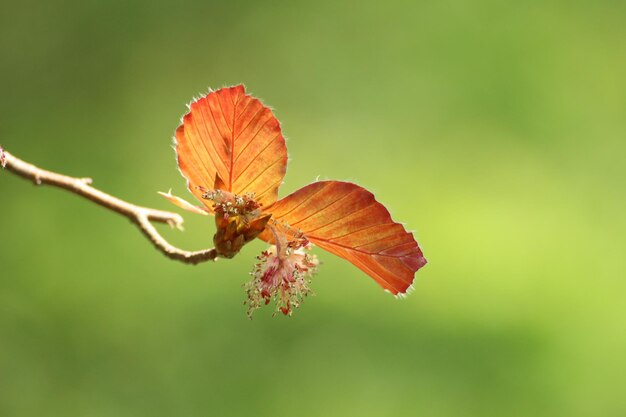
[{"x": 283, "y": 274}]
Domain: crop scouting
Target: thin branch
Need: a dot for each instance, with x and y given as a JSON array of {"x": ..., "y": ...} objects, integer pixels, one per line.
[{"x": 141, "y": 216}]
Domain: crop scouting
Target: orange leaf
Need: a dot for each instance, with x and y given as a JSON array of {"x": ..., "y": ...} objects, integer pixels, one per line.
[
  {"x": 231, "y": 141},
  {"x": 347, "y": 221}
]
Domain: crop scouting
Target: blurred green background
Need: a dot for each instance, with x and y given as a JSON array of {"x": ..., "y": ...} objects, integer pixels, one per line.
[{"x": 495, "y": 130}]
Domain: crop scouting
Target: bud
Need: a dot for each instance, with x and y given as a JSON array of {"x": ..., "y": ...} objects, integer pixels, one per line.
[{"x": 238, "y": 219}]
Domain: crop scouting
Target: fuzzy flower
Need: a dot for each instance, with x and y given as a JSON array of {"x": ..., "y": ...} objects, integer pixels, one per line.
[
  {"x": 283, "y": 274},
  {"x": 232, "y": 153}
]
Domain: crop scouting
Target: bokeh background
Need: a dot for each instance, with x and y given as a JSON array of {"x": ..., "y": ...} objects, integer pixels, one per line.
[{"x": 495, "y": 130}]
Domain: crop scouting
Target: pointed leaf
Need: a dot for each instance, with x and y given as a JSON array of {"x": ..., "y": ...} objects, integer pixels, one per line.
[
  {"x": 232, "y": 139},
  {"x": 347, "y": 221},
  {"x": 184, "y": 204}
]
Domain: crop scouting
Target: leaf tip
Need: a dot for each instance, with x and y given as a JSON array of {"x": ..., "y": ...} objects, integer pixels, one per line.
[{"x": 185, "y": 205}]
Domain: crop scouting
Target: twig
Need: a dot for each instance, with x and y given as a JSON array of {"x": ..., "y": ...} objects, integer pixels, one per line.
[{"x": 141, "y": 216}]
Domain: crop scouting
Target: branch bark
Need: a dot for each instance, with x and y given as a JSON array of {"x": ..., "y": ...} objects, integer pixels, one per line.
[{"x": 141, "y": 216}]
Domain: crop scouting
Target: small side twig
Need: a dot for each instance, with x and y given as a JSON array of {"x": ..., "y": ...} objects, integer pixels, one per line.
[{"x": 141, "y": 216}]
